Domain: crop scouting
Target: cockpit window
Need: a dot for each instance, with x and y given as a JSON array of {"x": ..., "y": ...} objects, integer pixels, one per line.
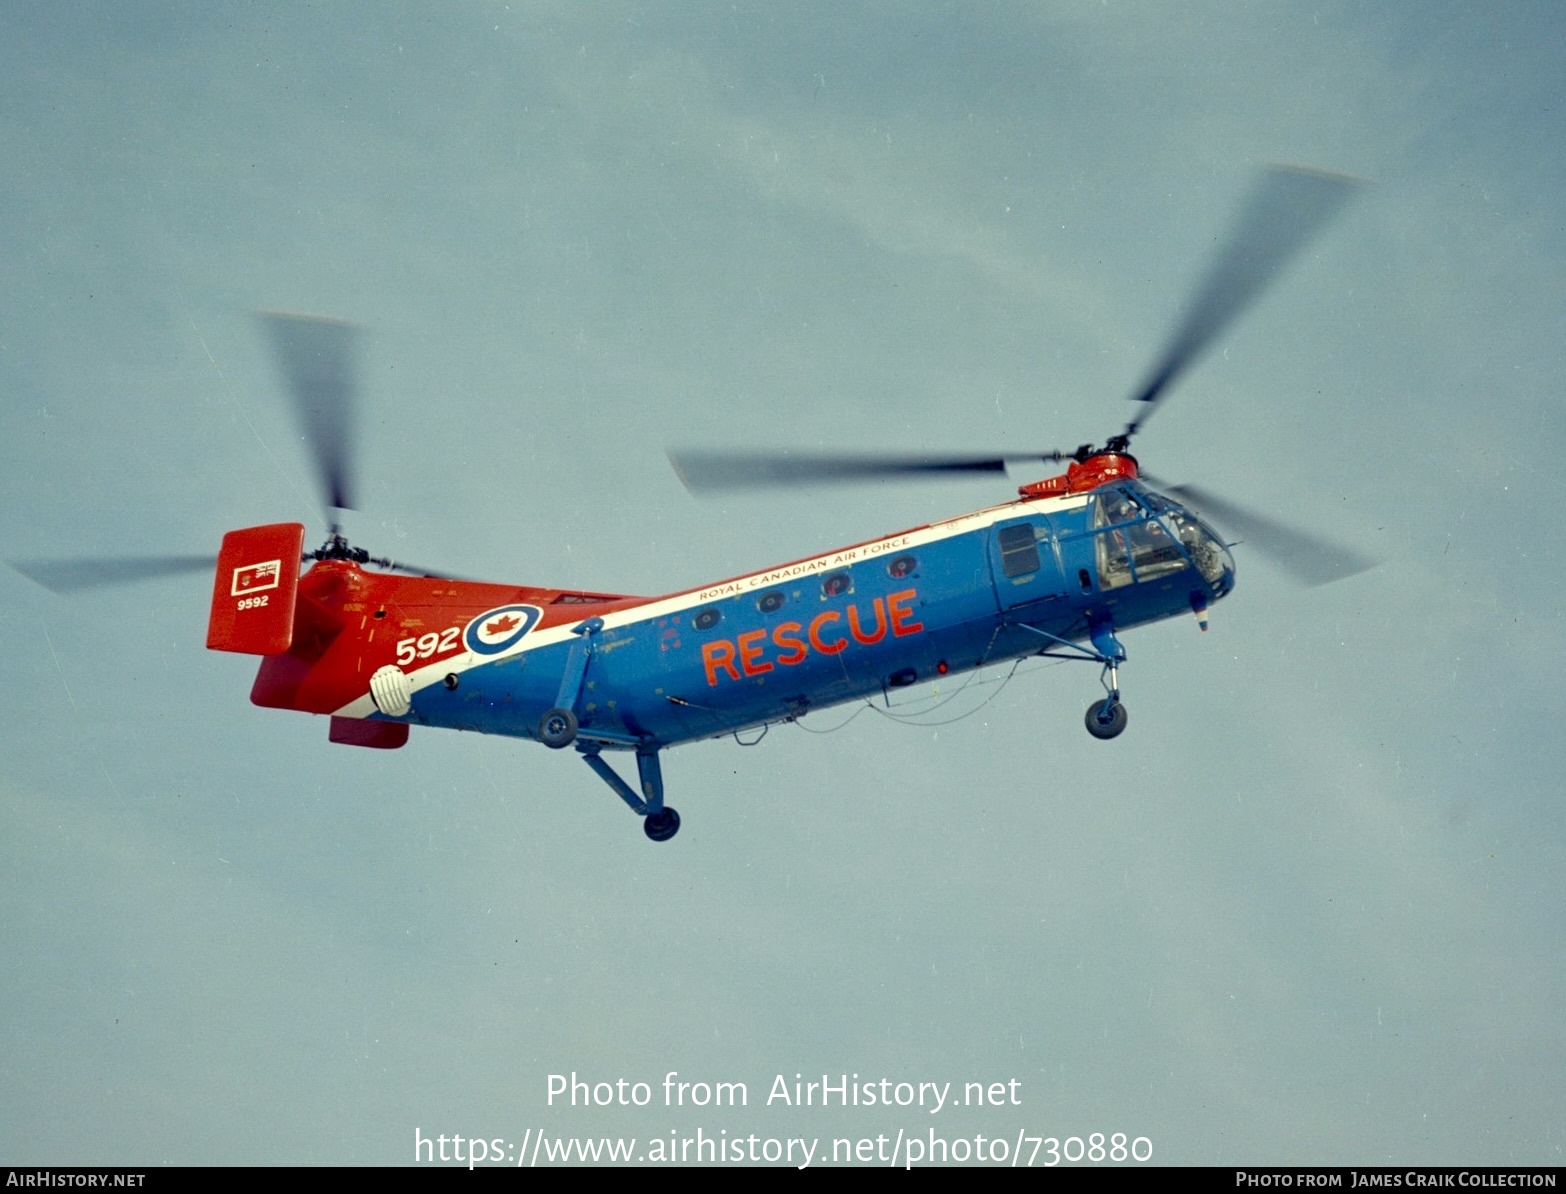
[
  {"x": 1153, "y": 552},
  {"x": 1205, "y": 547},
  {"x": 1114, "y": 565},
  {"x": 1132, "y": 544},
  {"x": 1141, "y": 536},
  {"x": 1114, "y": 506}
]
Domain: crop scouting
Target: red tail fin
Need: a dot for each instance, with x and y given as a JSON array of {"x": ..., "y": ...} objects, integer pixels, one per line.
[
  {"x": 253, "y": 593},
  {"x": 382, "y": 735}
]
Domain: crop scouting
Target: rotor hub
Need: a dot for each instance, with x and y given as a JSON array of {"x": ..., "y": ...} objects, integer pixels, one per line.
[
  {"x": 337, "y": 547},
  {"x": 1082, "y": 476}
]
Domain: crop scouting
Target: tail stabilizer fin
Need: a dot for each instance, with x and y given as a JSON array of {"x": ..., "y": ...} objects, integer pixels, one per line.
[
  {"x": 254, "y": 592},
  {"x": 378, "y": 735}
]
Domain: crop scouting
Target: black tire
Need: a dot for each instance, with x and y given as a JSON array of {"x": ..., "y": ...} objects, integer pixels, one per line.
[
  {"x": 1101, "y": 726},
  {"x": 557, "y": 728},
  {"x": 660, "y": 827}
]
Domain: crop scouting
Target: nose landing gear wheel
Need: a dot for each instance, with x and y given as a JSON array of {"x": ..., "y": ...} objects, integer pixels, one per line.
[
  {"x": 660, "y": 827},
  {"x": 1105, "y": 724}
]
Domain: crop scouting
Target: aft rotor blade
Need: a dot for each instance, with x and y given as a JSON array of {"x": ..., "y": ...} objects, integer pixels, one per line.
[
  {"x": 710, "y": 472},
  {"x": 1289, "y": 205},
  {"x": 1310, "y": 560},
  {"x": 316, "y": 355},
  {"x": 69, "y": 576},
  {"x": 417, "y": 570}
]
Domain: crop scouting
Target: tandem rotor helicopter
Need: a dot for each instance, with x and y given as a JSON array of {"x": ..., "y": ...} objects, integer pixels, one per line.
[{"x": 1058, "y": 571}]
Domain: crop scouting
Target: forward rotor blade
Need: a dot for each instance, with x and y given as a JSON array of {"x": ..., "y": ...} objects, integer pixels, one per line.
[
  {"x": 1289, "y": 205},
  {"x": 316, "y": 356},
  {"x": 70, "y": 576},
  {"x": 710, "y": 472},
  {"x": 1310, "y": 560}
]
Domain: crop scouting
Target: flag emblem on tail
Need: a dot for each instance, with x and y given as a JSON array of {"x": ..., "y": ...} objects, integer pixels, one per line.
[{"x": 252, "y": 578}]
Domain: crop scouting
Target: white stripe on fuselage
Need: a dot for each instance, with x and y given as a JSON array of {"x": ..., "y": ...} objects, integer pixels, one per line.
[{"x": 662, "y": 607}]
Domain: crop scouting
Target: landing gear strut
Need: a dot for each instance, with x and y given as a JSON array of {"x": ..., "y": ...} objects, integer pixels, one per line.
[
  {"x": 557, "y": 728},
  {"x": 659, "y": 823},
  {"x": 1107, "y": 718}
]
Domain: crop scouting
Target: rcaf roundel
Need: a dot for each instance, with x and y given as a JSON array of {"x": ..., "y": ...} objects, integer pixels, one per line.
[{"x": 494, "y": 630}]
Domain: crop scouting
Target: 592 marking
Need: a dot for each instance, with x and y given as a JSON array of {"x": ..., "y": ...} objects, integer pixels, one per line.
[{"x": 427, "y": 645}]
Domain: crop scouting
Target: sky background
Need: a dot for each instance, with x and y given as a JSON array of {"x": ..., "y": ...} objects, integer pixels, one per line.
[{"x": 1306, "y": 909}]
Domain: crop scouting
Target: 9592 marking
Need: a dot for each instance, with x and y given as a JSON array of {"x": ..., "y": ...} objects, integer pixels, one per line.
[
  {"x": 426, "y": 646},
  {"x": 253, "y": 602}
]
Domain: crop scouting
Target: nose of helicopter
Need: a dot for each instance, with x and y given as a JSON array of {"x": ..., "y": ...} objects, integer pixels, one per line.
[
  {"x": 1207, "y": 550},
  {"x": 1225, "y": 584}
]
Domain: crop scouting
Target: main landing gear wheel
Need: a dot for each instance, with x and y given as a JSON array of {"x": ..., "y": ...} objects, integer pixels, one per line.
[
  {"x": 660, "y": 827},
  {"x": 557, "y": 728},
  {"x": 1102, "y": 724}
]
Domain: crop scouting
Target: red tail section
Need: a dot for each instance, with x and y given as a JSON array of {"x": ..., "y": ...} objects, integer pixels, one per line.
[{"x": 255, "y": 589}]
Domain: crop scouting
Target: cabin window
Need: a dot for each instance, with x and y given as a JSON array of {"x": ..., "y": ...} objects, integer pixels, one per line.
[
  {"x": 1019, "y": 550},
  {"x": 837, "y": 584},
  {"x": 771, "y": 601},
  {"x": 902, "y": 566},
  {"x": 706, "y": 619}
]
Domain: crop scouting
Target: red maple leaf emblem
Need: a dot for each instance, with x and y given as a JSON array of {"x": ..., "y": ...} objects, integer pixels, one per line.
[{"x": 501, "y": 625}]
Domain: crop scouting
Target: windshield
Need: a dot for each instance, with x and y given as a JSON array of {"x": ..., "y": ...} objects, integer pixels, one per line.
[{"x": 1143, "y": 536}]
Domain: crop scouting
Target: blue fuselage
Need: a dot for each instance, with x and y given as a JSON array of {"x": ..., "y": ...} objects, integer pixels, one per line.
[{"x": 1011, "y": 581}]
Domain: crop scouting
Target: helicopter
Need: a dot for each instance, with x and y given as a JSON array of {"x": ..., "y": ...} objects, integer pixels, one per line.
[{"x": 1059, "y": 571}]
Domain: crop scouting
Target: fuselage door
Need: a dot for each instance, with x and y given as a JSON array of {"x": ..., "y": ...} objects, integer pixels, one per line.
[{"x": 1024, "y": 562}]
